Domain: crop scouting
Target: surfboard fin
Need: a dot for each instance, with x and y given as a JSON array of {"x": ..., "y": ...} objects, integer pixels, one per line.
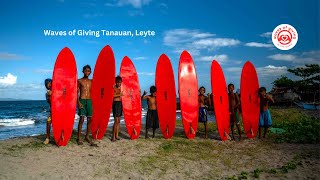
[{"x": 251, "y": 132}]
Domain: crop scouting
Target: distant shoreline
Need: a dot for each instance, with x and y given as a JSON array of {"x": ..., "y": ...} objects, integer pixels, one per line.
[{"x": 12, "y": 99}]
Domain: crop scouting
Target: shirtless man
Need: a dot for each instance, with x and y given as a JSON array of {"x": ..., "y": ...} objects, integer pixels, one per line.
[
  {"x": 204, "y": 102},
  {"x": 85, "y": 104},
  {"x": 265, "y": 116},
  {"x": 234, "y": 104},
  {"x": 152, "y": 120},
  {"x": 117, "y": 108}
]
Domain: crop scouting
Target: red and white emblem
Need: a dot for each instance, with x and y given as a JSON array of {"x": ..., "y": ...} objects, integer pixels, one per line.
[{"x": 284, "y": 36}]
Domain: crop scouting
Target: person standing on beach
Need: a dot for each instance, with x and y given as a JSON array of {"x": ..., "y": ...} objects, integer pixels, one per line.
[
  {"x": 204, "y": 102},
  {"x": 152, "y": 120},
  {"x": 85, "y": 104},
  {"x": 265, "y": 116},
  {"x": 116, "y": 108},
  {"x": 234, "y": 104},
  {"x": 48, "y": 84}
]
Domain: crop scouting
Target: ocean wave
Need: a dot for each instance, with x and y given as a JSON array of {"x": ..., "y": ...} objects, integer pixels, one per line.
[{"x": 16, "y": 122}]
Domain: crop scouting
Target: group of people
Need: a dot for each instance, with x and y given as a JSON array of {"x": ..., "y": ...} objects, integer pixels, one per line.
[
  {"x": 85, "y": 108},
  {"x": 265, "y": 120}
]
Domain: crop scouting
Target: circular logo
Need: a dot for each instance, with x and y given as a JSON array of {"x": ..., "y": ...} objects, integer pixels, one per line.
[{"x": 284, "y": 36}]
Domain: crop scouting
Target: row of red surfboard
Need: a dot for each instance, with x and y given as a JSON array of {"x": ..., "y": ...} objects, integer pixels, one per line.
[{"x": 64, "y": 96}]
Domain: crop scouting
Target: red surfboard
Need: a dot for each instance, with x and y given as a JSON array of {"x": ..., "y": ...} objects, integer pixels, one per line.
[
  {"x": 250, "y": 101},
  {"x": 166, "y": 96},
  {"x": 131, "y": 99},
  {"x": 188, "y": 94},
  {"x": 102, "y": 91},
  {"x": 64, "y": 96},
  {"x": 220, "y": 100}
]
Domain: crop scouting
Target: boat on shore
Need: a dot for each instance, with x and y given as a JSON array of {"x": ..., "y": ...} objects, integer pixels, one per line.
[{"x": 308, "y": 106}]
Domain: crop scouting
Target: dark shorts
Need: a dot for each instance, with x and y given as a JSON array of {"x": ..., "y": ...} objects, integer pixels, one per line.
[
  {"x": 152, "y": 120},
  {"x": 203, "y": 114},
  {"x": 86, "y": 109},
  {"x": 117, "y": 108},
  {"x": 234, "y": 119},
  {"x": 265, "y": 119}
]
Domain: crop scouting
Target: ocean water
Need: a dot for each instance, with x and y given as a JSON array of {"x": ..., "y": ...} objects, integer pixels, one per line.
[{"x": 27, "y": 118}]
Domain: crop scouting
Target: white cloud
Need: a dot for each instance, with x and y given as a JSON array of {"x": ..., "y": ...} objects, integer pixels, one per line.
[
  {"x": 234, "y": 69},
  {"x": 266, "y": 34},
  {"x": 140, "y": 58},
  {"x": 271, "y": 70},
  {"x": 282, "y": 57},
  {"x": 215, "y": 42},
  {"x": 163, "y": 5},
  {"x": 194, "y": 41},
  {"x": 312, "y": 53},
  {"x": 23, "y": 91},
  {"x": 146, "y": 73},
  {"x": 163, "y": 8},
  {"x": 10, "y": 56},
  {"x": 220, "y": 58},
  {"x": 8, "y": 80},
  {"x": 310, "y": 57},
  {"x": 43, "y": 71},
  {"x": 134, "y": 3},
  {"x": 178, "y": 37},
  {"x": 266, "y": 74},
  {"x": 256, "y": 44},
  {"x": 236, "y": 62}
]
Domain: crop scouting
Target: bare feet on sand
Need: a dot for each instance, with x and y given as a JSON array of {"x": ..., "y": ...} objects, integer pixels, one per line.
[{"x": 90, "y": 142}]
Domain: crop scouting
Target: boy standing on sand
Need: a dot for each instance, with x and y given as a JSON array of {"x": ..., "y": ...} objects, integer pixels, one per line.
[
  {"x": 117, "y": 108},
  {"x": 152, "y": 120},
  {"x": 85, "y": 104},
  {"x": 48, "y": 84},
  {"x": 265, "y": 116},
  {"x": 204, "y": 102},
  {"x": 234, "y": 104}
]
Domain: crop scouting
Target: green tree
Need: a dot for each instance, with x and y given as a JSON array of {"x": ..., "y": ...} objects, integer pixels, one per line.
[
  {"x": 284, "y": 81},
  {"x": 310, "y": 83}
]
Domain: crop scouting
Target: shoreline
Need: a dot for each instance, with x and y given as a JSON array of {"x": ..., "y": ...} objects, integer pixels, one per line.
[
  {"x": 176, "y": 158},
  {"x": 158, "y": 158}
]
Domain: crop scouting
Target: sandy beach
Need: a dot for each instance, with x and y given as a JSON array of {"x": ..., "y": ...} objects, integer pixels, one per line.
[{"x": 176, "y": 158}]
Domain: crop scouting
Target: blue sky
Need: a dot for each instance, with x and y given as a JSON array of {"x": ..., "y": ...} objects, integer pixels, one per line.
[{"x": 231, "y": 32}]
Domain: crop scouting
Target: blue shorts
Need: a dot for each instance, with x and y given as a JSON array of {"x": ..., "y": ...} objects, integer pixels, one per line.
[
  {"x": 265, "y": 119},
  {"x": 203, "y": 114}
]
